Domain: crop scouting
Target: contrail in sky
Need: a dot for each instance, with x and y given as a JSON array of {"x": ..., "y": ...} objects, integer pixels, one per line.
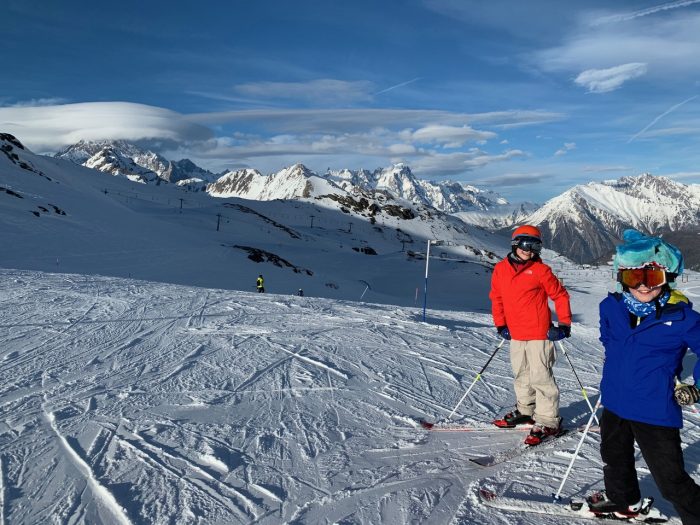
[
  {"x": 671, "y": 109},
  {"x": 645, "y": 12},
  {"x": 406, "y": 83}
]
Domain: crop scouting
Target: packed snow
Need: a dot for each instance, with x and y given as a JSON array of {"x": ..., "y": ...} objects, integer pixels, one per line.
[{"x": 128, "y": 401}]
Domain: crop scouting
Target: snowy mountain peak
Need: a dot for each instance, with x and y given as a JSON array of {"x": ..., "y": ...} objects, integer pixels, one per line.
[
  {"x": 297, "y": 170},
  {"x": 131, "y": 161},
  {"x": 109, "y": 160},
  {"x": 8, "y": 141},
  {"x": 122, "y": 158},
  {"x": 586, "y": 221}
]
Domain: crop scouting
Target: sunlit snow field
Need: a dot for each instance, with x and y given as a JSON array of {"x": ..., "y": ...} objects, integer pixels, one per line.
[{"x": 127, "y": 401}]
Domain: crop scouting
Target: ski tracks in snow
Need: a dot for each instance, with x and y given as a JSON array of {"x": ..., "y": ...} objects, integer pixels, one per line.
[
  {"x": 176, "y": 404},
  {"x": 99, "y": 491}
]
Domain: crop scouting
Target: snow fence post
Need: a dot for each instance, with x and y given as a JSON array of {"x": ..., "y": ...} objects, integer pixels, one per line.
[{"x": 427, "y": 259}]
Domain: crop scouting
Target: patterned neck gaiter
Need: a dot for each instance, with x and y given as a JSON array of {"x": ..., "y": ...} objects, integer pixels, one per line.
[{"x": 641, "y": 309}]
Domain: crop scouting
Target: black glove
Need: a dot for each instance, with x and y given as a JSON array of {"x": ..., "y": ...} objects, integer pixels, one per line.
[
  {"x": 557, "y": 333},
  {"x": 686, "y": 394},
  {"x": 503, "y": 332}
]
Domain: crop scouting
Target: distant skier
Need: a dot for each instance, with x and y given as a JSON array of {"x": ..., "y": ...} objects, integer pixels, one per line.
[
  {"x": 520, "y": 286},
  {"x": 260, "y": 284},
  {"x": 646, "y": 331},
  {"x": 300, "y": 293}
]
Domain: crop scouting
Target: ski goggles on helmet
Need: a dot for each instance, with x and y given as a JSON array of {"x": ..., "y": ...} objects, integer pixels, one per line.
[
  {"x": 528, "y": 244},
  {"x": 649, "y": 276}
]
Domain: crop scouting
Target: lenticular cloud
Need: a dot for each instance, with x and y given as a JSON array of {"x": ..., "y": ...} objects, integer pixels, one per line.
[
  {"x": 48, "y": 128},
  {"x": 604, "y": 80}
]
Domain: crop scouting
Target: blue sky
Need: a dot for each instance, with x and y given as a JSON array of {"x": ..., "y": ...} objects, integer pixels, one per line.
[{"x": 524, "y": 98}]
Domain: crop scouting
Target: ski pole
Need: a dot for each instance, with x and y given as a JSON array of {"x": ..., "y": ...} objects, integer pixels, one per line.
[
  {"x": 583, "y": 390},
  {"x": 578, "y": 448},
  {"x": 478, "y": 376}
]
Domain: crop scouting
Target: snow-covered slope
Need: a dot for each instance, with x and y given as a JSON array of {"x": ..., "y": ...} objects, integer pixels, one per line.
[
  {"x": 64, "y": 217},
  {"x": 127, "y": 401},
  {"x": 585, "y": 222}
]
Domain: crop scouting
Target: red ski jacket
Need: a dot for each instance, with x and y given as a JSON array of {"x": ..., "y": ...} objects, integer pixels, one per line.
[{"x": 519, "y": 299}]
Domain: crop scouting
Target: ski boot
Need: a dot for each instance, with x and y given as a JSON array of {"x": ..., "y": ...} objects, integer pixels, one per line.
[
  {"x": 513, "y": 419},
  {"x": 539, "y": 433},
  {"x": 600, "y": 504}
]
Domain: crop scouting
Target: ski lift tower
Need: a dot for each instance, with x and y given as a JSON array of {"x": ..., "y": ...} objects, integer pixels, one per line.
[{"x": 427, "y": 260}]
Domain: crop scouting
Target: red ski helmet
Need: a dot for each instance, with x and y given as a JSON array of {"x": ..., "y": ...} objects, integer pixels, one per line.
[{"x": 527, "y": 231}]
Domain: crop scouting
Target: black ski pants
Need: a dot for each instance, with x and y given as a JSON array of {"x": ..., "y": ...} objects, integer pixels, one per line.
[{"x": 661, "y": 448}]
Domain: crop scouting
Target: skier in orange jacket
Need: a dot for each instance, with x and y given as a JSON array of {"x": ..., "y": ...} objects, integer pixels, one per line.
[{"x": 520, "y": 287}]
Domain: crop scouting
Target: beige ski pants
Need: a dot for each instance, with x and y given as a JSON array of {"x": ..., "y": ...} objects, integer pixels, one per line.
[{"x": 535, "y": 388}]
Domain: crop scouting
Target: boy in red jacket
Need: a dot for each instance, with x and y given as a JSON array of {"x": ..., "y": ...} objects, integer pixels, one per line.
[{"x": 520, "y": 286}]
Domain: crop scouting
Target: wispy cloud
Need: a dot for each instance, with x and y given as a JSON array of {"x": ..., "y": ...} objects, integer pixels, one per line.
[
  {"x": 669, "y": 110},
  {"x": 610, "y": 79},
  {"x": 568, "y": 146},
  {"x": 349, "y": 120},
  {"x": 606, "y": 169},
  {"x": 322, "y": 91},
  {"x": 643, "y": 12},
  {"x": 683, "y": 175},
  {"x": 436, "y": 164},
  {"x": 513, "y": 180},
  {"x": 37, "y": 102},
  {"x": 401, "y": 85}
]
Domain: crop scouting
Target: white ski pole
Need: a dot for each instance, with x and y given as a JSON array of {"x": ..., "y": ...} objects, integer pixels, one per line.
[
  {"x": 583, "y": 390},
  {"x": 578, "y": 448},
  {"x": 478, "y": 376}
]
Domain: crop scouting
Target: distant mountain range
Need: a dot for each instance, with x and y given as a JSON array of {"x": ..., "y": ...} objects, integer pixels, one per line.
[
  {"x": 121, "y": 158},
  {"x": 124, "y": 159},
  {"x": 584, "y": 223},
  {"x": 63, "y": 216}
]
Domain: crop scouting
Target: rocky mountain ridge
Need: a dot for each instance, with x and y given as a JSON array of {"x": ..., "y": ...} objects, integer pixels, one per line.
[{"x": 586, "y": 222}]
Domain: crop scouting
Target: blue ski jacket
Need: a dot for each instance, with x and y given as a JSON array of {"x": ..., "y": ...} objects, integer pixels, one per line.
[{"x": 641, "y": 363}]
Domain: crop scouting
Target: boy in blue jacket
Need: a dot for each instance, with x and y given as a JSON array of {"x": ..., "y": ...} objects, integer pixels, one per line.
[{"x": 646, "y": 331}]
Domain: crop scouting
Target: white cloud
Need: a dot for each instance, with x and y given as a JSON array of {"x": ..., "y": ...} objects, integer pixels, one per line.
[
  {"x": 51, "y": 127},
  {"x": 668, "y": 45},
  {"x": 568, "y": 146},
  {"x": 435, "y": 164},
  {"x": 606, "y": 169},
  {"x": 605, "y": 80},
  {"x": 359, "y": 120},
  {"x": 451, "y": 136},
  {"x": 684, "y": 175},
  {"x": 322, "y": 91},
  {"x": 513, "y": 180},
  {"x": 270, "y": 138},
  {"x": 643, "y": 12},
  {"x": 37, "y": 102}
]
